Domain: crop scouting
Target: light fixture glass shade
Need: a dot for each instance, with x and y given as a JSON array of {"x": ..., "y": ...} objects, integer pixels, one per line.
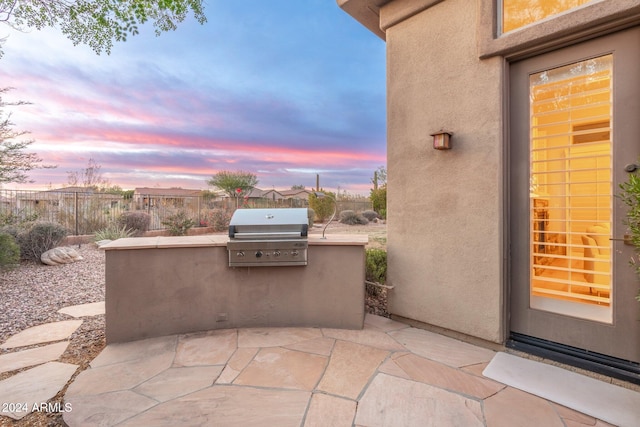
[{"x": 442, "y": 140}]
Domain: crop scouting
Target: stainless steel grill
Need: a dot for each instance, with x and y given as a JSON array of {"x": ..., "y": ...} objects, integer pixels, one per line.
[{"x": 268, "y": 237}]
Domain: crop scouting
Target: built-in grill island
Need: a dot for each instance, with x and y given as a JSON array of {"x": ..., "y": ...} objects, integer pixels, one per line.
[
  {"x": 268, "y": 237},
  {"x": 254, "y": 276}
]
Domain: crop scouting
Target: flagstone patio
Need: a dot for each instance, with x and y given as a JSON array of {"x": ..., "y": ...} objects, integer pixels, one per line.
[{"x": 388, "y": 374}]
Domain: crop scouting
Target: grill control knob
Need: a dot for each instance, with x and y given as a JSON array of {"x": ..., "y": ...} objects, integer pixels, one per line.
[
  {"x": 240, "y": 254},
  {"x": 276, "y": 253},
  {"x": 259, "y": 254},
  {"x": 295, "y": 253}
]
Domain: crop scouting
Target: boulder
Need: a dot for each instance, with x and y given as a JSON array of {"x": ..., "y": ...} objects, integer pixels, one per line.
[{"x": 60, "y": 255}]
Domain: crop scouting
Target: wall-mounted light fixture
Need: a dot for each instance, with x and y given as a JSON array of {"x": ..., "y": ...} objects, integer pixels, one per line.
[{"x": 442, "y": 140}]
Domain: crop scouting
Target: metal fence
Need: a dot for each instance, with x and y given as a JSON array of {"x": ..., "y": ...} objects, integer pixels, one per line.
[{"x": 86, "y": 212}]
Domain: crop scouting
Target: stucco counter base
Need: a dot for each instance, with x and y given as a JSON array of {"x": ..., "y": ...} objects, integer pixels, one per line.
[{"x": 157, "y": 286}]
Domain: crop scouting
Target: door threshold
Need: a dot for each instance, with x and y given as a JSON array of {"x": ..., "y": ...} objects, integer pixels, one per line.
[{"x": 621, "y": 369}]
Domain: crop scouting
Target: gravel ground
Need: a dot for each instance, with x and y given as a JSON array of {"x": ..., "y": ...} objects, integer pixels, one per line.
[{"x": 32, "y": 294}]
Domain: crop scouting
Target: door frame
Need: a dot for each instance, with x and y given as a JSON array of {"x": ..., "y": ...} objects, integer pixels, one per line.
[{"x": 601, "y": 363}]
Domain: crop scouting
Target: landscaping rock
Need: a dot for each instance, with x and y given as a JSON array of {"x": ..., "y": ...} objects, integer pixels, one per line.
[{"x": 60, "y": 255}]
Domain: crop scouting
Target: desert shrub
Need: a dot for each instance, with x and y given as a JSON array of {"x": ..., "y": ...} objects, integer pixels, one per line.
[
  {"x": 38, "y": 237},
  {"x": 322, "y": 207},
  {"x": 311, "y": 216},
  {"x": 137, "y": 222},
  {"x": 112, "y": 232},
  {"x": 11, "y": 218},
  {"x": 218, "y": 219},
  {"x": 12, "y": 230},
  {"x": 375, "y": 269},
  {"x": 91, "y": 215},
  {"x": 370, "y": 215},
  {"x": 9, "y": 251},
  {"x": 350, "y": 217},
  {"x": 379, "y": 200},
  {"x": 178, "y": 224}
]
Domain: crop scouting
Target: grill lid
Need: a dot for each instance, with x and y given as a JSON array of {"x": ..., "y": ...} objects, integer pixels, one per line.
[{"x": 269, "y": 224}]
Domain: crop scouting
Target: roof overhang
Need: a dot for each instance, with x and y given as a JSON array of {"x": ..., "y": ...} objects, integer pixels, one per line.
[{"x": 367, "y": 12}]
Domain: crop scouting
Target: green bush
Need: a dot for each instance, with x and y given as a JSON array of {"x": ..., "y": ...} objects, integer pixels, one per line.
[
  {"x": 379, "y": 200},
  {"x": 9, "y": 251},
  {"x": 178, "y": 224},
  {"x": 370, "y": 215},
  {"x": 375, "y": 269},
  {"x": 322, "y": 206},
  {"x": 112, "y": 232},
  {"x": 376, "y": 265},
  {"x": 137, "y": 222},
  {"x": 350, "y": 217},
  {"x": 38, "y": 237}
]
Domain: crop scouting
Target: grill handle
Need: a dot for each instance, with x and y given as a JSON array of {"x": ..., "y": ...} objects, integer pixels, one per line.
[
  {"x": 265, "y": 237},
  {"x": 232, "y": 231}
]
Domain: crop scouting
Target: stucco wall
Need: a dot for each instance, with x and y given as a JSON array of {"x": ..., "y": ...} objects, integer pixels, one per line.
[
  {"x": 171, "y": 285},
  {"x": 445, "y": 207}
]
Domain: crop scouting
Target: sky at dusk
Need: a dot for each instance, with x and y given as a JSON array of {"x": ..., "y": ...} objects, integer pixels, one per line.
[{"x": 284, "y": 89}]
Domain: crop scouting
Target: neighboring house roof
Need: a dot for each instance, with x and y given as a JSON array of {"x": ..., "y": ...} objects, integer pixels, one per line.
[
  {"x": 272, "y": 194},
  {"x": 176, "y": 192},
  {"x": 257, "y": 193},
  {"x": 302, "y": 193},
  {"x": 73, "y": 189}
]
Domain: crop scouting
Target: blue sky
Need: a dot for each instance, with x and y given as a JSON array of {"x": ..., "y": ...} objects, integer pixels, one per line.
[{"x": 284, "y": 89}]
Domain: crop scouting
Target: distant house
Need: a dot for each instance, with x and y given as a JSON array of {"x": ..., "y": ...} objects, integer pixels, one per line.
[
  {"x": 296, "y": 194},
  {"x": 60, "y": 197},
  {"x": 257, "y": 193},
  {"x": 146, "y": 197},
  {"x": 275, "y": 195}
]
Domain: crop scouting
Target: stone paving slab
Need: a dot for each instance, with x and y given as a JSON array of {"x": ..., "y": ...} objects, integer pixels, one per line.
[
  {"x": 120, "y": 376},
  {"x": 35, "y": 356},
  {"x": 326, "y": 410},
  {"x": 134, "y": 351},
  {"x": 281, "y": 368},
  {"x": 84, "y": 310},
  {"x": 275, "y": 337},
  {"x": 443, "y": 376},
  {"x": 177, "y": 382},
  {"x": 228, "y": 406},
  {"x": 48, "y": 332},
  {"x": 109, "y": 410},
  {"x": 240, "y": 359},
  {"x": 350, "y": 369},
  {"x": 412, "y": 404},
  {"x": 441, "y": 348},
  {"x": 206, "y": 348},
  {"x": 34, "y": 387}
]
